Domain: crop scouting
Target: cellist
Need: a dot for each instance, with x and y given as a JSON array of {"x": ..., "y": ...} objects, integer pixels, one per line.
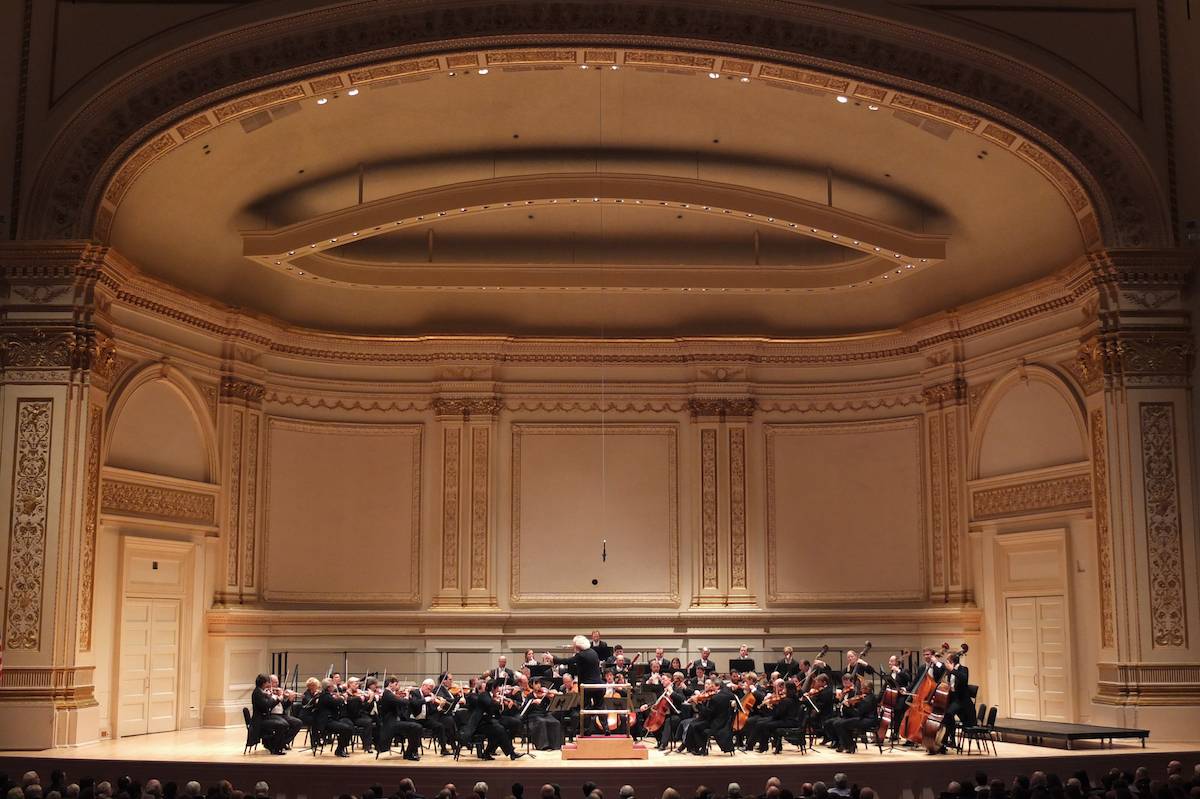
[
  {"x": 750, "y": 698},
  {"x": 961, "y": 708}
]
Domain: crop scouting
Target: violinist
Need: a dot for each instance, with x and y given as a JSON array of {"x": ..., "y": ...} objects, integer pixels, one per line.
[
  {"x": 510, "y": 697},
  {"x": 396, "y": 722},
  {"x": 844, "y": 698},
  {"x": 816, "y": 704},
  {"x": 568, "y": 719},
  {"x": 784, "y": 713},
  {"x": 750, "y": 698},
  {"x": 482, "y": 719},
  {"x": 330, "y": 707},
  {"x": 359, "y": 705},
  {"x": 961, "y": 708},
  {"x": 858, "y": 713},
  {"x": 272, "y": 729},
  {"x": 435, "y": 711},
  {"x": 308, "y": 701},
  {"x": 338, "y": 684},
  {"x": 714, "y": 719},
  {"x": 545, "y": 731},
  {"x": 283, "y": 710}
]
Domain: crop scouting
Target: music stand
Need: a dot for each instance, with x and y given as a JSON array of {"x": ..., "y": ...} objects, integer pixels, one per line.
[{"x": 741, "y": 665}]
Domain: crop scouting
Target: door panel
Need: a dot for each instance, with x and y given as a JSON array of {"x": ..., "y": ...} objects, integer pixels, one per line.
[
  {"x": 149, "y": 681},
  {"x": 1052, "y": 649},
  {"x": 1022, "y": 658},
  {"x": 1038, "y": 680}
]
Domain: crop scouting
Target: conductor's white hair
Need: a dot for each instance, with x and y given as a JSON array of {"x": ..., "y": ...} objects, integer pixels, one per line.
[{"x": 582, "y": 642}]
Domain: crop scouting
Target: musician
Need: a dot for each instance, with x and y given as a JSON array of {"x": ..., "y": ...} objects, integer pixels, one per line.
[
  {"x": 747, "y": 663},
  {"x": 661, "y": 659},
  {"x": 842, "y": 700},
  {"x": 482, "y": 719},
  {"x": 931, "y": 664},
  {"x": 358, "y": 712},
  {"x": 545, "y": 731},
  {"x": 530, "y": 659},
  {"x": 787, "y": 665},
  {"x": 308, "y": 701},
  {"x": 618, "y": 651},
  {"x": 656, "y": 680},
  {"x": 960, "y": 709},
  {"x": 328, "y": 718},
  {"x": 395, "y": 720},
  {"x": 703, "y": 662},
  {"x": 339, "y": 684},
  {"x": 284, "y": 710},
  {"x": 433, "y": 708},
  {"x": 856, "y": 666},
  {"x": 616, "y": 723},
  {"x": 749, "y": 687},
  {"x": 585, "y": 664},
  {"x": 784, "y": 713},
  {"x": 676, "y": 665},
  {"x": 502, "y": 674},
  {"x": 816, "y": 704},
  {"x": 714, "y": 719},
  {"x": 619, "y": 666},
  {"x": 569, "y": 718},
  {"x": 272, "y": 729},
  {"x": 603, "y": 650},
  {"x": 896, "y": 675},
  {"x": 858, "y": 713}
]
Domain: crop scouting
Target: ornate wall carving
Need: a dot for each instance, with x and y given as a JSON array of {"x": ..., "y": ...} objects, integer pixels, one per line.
[
  {"x": 1104, "y": 549},
  {"x": 738, "y": 578},
  {"x": 708, "y": 508},
  {"x": 721, "y": 407},
  {"x": 1149, "y": 684},
  {"x": 465, "y": 407},
  {"x": 243, "y": 390},
  {"x": 250, "y": 525},
  {"x": 91, "y": 511},
  {"x": 936, "y": 500},
  {"x": 233, "y": 526},
  {"x": 30, "y": 512},
  {"x": 1164, "y": 543},
  {"x": 451, "y": 437},
  {"x": 124, "y": 498},
  {"x": 953, "y": 492},
  {"x": 1034, "y": 496},
  {"x": 479, "y": 508}
]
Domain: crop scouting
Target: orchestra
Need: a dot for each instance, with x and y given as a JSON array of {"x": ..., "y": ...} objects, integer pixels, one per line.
[{"x": 553, "y": 700}]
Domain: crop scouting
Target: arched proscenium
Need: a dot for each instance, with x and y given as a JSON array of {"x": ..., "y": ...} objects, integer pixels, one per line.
[{"x": 279, "y": 247}]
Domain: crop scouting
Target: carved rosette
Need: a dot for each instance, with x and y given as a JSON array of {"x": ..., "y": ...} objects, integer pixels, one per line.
[
  {"x": 233, "y": 527},
  {"x": 951, "y": 392},
  {"x": 1104, "y": 548},
  {"x": 722, "y": 407},
  {"x": 27, "y": 537},
  {"x": 479, "y": 508},
  {"x": 87, "y": 549},
  {"x": 737, "y": 509},
  {"x": 465, "y": 407},
  {"x": 451, "y": 438},
  {"x": 708, "y": 508},
  {"x": 251, "y": 501},
  {"x": 1164, "y": 543}
]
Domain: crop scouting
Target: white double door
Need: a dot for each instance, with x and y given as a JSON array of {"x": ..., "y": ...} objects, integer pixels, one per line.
[
  {"x": 149, "y": 670},
  {"x": 1038, "y": 680}
]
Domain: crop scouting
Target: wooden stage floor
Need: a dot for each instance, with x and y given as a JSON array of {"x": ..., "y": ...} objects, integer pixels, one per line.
[{"x": 212, "y": 754}]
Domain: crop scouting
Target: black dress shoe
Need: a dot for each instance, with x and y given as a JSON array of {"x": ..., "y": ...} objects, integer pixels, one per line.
[
  {"x": 412, "y": 756},
  {"x": 516, "y": 756},
  {"x": 486, "y": 757},
  {"x": 341, "y": 753}
]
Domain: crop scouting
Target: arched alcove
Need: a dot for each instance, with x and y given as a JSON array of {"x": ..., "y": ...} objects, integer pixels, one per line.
[
  {"x": 1030, "y": 420},
  {"x": 158, "y": 428}
]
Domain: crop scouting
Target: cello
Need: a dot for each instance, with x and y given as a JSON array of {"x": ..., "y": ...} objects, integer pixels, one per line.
[
  {"x": 659, "y": 711},
  {"x": 933, "y": 730},
  {"x": 913, "y": 724}
]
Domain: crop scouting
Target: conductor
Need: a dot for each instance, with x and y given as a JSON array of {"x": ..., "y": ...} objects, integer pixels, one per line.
[{"x": 585, "y": 665}]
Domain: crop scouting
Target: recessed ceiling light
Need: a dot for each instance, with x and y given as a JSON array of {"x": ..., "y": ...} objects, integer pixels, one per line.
[
  {"x": 452, "y": 74},
  {"x": 291, "y": 252},
  {"x": 714, "y": 75},
  {"x": 322, "y": 101},
  {"x": 745, "y": 80},
  {"x": 484, "y": 71},
  {"x": 615, "y": 66},
  {"x": 353, "y": 92},
  {"x": 872, "y": 108},
  {"x": 583, "y": 66},
  {"x": 841, "y": 98}
]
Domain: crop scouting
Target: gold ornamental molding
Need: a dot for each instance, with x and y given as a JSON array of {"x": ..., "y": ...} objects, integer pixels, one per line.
[
  {"x": 1141, "y": 358},
  {"x": 465, "y": 407},
  {"x": 244, "y": 390},
  {"x": 1104, "y": 545},
  {"x": 722, "y": 408},
  {"x": 91, "y": 516},
  {"x": 1164, "y": 533},
  {"x": 708, "y": 509},
  {"x": 1149, "y": 684},
  {"x": 67, "y": 687},
  {"x": 1028, "y": 493},
  {"x": 28, "y": 525},
  {"x": 127, "y": 494},
  {"x": 314, "y": 88}
]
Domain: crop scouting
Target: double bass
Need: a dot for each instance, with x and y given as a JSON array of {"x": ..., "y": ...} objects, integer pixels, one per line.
[
  {"x": 933, "y": 731},
  {"x": 887, "y": 704},
  {"x": 915, "y": 726}
]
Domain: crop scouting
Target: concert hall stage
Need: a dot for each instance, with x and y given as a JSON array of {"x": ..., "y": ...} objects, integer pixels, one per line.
[{"x": 209, "y": 755}]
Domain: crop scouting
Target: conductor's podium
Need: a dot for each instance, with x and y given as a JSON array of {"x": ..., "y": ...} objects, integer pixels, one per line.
[{"x": 605, "y": 747}]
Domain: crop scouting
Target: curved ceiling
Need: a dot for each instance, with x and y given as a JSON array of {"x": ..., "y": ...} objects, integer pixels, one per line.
[{"x": 550, "y": 198}]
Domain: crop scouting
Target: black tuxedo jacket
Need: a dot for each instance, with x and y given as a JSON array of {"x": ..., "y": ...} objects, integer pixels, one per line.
[
  {"x": 709, "y": 666},
  {"x": 585, "y": 665},
  {"x": 262, "y": 702}
]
